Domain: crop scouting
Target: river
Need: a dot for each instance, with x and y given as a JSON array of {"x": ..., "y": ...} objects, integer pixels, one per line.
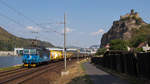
[{"x": 6, "y": 61}]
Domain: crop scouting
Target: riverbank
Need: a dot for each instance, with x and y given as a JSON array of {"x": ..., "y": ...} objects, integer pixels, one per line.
[
  {"x": 11, "y": 67},
  {"x": 9, "y": 55}
]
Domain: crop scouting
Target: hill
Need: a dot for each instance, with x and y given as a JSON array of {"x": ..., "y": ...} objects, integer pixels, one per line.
[
  {"x": 9, "y": 41},
  {"x": 127, "y": 28}
]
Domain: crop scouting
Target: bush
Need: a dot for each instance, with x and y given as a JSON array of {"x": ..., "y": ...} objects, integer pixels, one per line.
[
  {"x": 118, "y": 44},
  {"x": 101, "y": 51},
  {"x": 139, "y": 49},
  {"x": 138, "y": 21},
  {"x": 6, "y": 45},
  {"x": 139, "y": 39}
]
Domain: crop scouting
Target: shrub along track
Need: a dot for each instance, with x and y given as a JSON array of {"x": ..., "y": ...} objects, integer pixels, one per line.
[{"x": 26, "y": 75}]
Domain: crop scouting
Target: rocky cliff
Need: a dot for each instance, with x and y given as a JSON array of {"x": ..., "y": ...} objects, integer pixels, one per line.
[{"x": 123, "y": 28}]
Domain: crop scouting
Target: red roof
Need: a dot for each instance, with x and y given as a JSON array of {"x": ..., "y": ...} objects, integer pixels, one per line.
[{"x": 141, "y": 45}]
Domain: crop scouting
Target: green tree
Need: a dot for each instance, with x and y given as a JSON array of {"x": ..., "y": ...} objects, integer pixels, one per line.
[
  {"x": 138, "y": 39},
  {"x": 101, "y": 51},
  {"x": 118, "y": 44},
  {"x": 6, "y": 45},
  {"x": 139, "y": 49}
]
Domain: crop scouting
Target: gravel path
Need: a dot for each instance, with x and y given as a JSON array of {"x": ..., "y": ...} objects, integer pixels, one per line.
[{"x": 100, "y": 77}]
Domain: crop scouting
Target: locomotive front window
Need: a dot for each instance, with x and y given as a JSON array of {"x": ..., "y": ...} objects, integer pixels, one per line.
[
  {"x": 26, "y": 51},
  {"x": 32, "y": 51},
  {"x": 29, "y": 51}
]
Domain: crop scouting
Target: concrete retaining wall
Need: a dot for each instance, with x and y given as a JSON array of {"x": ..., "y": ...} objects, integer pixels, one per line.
[{"x": 6, "y": 53}]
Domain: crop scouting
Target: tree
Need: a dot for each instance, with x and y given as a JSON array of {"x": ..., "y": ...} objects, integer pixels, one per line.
[
  {"x": 139, "y": 49},
  {"x": 118, "y": 44},
  {"x": 101, "y": 51},
  {"x": 6, "y": 45},
  {"x": 138, "y": 39}
]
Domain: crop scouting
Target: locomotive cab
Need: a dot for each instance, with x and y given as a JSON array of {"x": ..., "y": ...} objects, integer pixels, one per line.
[
  {"x": 34, "y": 56},
  {"x": 30, "y": 57}
]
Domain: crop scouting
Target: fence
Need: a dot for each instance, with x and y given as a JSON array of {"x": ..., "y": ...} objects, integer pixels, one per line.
[{"x": 126, "y": 62}]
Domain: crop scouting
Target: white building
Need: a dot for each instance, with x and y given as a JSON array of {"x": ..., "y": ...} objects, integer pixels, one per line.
[
  {"x": 18, "y": 51},
  {"x": 146, "y": 48},
  {"x": 60, "y": 49}
]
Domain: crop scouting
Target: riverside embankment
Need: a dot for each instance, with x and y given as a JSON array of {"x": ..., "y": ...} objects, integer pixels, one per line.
[{"x": 6, "y": 53}]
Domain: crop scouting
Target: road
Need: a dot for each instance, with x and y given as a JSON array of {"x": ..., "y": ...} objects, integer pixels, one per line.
[{"x": 100, "y": 77}]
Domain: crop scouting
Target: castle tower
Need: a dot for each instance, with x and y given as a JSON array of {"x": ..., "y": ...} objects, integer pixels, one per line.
[
  {"x": 136, "y": 15},
  {"x": 132, "y": 12}
]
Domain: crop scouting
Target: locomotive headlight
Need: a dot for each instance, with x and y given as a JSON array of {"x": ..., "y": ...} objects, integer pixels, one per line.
[{"x": 30, "y": 57}]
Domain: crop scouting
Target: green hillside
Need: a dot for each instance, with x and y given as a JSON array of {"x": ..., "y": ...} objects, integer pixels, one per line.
[
  {"x": 141, "y": 35},
  {"x": 9, "y": 41}
]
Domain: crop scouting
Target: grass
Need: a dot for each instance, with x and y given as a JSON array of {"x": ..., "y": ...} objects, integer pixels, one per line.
[
  {"x": 76, "y": 75},
  {"x": 81, "y": 64},
  {"x": 85, "y": 77},
  {"x": 81, "y": 80},
  {"x": 82, "y": 67},
  {"x": 10, "y": 68}
]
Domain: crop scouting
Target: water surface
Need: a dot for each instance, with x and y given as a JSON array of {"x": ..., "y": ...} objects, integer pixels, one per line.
[{"x": 6, "y": 61}]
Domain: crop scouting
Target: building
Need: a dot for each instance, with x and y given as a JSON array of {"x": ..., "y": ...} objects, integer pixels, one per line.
[
  {"x": 18, "y": 51},
  {"x": 144, "y": 46},
  {"x": 107, "y": 46},
  {"x": 130, "y": 15}
]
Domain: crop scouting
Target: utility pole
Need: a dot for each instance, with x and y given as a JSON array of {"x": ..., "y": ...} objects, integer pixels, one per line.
[
  {"x": 35, "y": 41},
  {"x": 78, "y": 55},
  {"x": 65, "y": 41}
]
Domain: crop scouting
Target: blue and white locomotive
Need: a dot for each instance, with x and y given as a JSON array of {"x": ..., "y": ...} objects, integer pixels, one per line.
[{"x": 35, "y": 56}]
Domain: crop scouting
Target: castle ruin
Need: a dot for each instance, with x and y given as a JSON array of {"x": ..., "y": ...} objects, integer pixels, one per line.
[{"x": 130, "y": 15}]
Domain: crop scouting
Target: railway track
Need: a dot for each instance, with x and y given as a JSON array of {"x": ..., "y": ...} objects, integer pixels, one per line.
[
  {"x": 57, "y": 69},
  {"x": 11, "y": 72},
  {"x": 54, "y": 68},
  {"x": 20, "y": 76},
  {"x": 13, "y": 76}
]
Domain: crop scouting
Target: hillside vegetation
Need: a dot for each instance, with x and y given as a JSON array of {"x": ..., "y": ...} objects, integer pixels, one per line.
[
  {"x": 141, "y": 35},
  {"x": 9, "y": 41}
]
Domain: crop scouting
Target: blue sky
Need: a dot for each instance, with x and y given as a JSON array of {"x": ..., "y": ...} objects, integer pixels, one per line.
[{"x": 87, "y": 20}]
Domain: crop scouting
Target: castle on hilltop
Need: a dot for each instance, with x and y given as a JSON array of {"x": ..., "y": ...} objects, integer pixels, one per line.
[{"x": 130, "y": 15}]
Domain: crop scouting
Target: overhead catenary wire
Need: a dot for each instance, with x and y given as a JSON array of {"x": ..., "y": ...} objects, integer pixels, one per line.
[
  {"x": 18, "y": 23},
  {"x": 27, "y": 18},
  {"x": 12, "y": 20},
  {"x": 7, "y": 17},
  {"x": 2, "y": 25}
]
